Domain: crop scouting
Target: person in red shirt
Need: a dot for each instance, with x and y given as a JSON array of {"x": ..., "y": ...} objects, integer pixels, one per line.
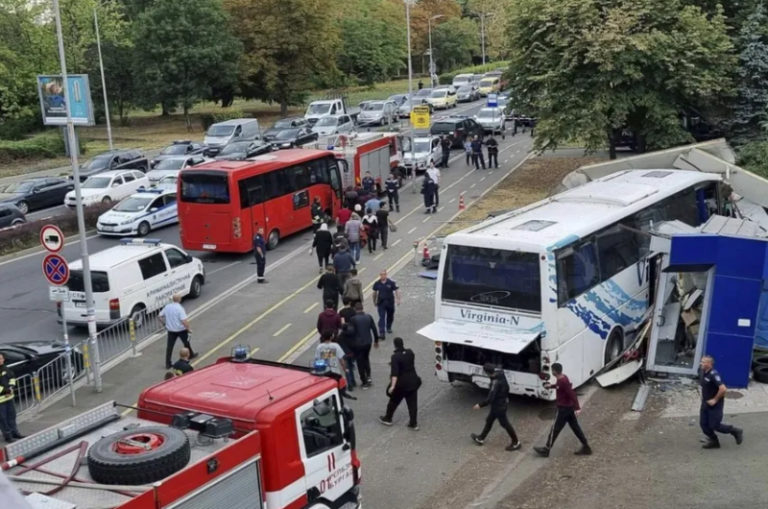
[
  {"x": 567, "y": 410},
  {"x": 342, "y": 216}
]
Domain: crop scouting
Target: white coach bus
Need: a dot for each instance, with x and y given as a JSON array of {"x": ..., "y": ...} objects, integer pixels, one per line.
[{"x": 562, "y": 280}]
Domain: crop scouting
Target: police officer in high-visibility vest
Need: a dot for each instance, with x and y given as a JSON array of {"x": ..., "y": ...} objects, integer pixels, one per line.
[
  {"x": 7, "y": 408},
  {"x": 260, "y": 253}
]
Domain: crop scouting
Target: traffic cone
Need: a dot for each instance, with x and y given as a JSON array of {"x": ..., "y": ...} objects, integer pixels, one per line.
[{"x": 461, "y": 202}]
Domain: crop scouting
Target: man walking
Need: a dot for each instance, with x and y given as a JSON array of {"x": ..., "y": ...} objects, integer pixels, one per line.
[
  {"x": 434, "y": 174},
  {"x": 352, "y": 229},
  {"x": 347, "y": 341},
  {"x": 328, "y": 320},
  {"x": 498, "y": 400},
  {"x": 7, "y": 407},
  {"x": 493, "y": 152},
  {"x": 404, "y": 385},
  {"x": 445, "y": 144},
  {"x": 468, "y": 150},
  {"x": 176, "y": 323},
  {"x": 260, "y": 252},
  {"x": 393, "y": 191},
  {"x": 567, "y": 410},
  {"x": 365, "y": 337},
  {"x": 343, "y": 262},
  {"x": 353, "y": 288},
  {"x": 477, "y": 153},
  {"x": 382, "y": 217},
  {"x": 385, "y": 294},
  {"x": 331, "y": 353},
  {"x": 369, "y": 185},
  {"x": 323, "y": 243},
  {"x": 329, "y": 284},
  {"x": 712, "y": 404}
]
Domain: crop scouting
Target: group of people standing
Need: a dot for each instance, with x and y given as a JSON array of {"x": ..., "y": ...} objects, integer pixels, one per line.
[{"x": 473, "y": 151}]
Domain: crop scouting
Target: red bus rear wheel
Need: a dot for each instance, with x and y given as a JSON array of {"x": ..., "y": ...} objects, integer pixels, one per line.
[{"x": 273, "y": 239}]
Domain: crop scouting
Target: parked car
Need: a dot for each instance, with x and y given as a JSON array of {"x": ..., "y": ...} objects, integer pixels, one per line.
[
  {"x": 285, "y": 123},
  {"x": 114, "y": 160},
  {"x": 398, "y": 99},
  {"x": 36, "y": 193},
  {"x": 457, "y": 128},
  {"x": 467, "y": 93},
  {"x": 328, "y": 126},
  {"x": 492, "y": 119},
  {"x": 442, "y": 98},
  {"x": 10, "y": 215},
  {"x": 379, "y": 113},
  {"x": 167, "y": 182},
  {"x": 425, "y": 149},
  {"x": 489, "y": 85},
  {"x": 26, "y": 357},
  {"x": 236, "y": 129},
  {"x": 461, "y": 80},
  {"x": 140, "y": 213},
  {"x": 108, "y": 186},
  {"x": 335, "y": 107},
  {"x": 421, "y": 95},
  {"x": 172, "y": 164},
  {"x": 289, "y": 138},
  {"x": 239, "y": 150},
  {"x": 178, "y": 148}
]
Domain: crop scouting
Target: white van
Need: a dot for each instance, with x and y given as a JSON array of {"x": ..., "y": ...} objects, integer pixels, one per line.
[
  {"x": 138, "y": 275},
  {"x": 462, "y": 79},
  {"x": 221, "y": 133}
]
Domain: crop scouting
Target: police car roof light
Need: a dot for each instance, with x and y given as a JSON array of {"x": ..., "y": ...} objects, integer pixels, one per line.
[
  {"x": 153, "y": 190},
  {"x": 240, "y": 353},
  {"x": 149, "y": 242}
]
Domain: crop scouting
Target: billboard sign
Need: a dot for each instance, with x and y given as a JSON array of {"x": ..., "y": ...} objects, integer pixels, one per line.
[{"x": 51, "y": 92}]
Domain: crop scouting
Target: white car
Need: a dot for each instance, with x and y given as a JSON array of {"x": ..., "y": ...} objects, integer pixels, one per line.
[
  {"x": 328, "y": 126},
  {"x": 169, "y": 182},
  {"x": 140, "y": 213},
  {"x": 108, "y": 186},
  {"x": 425, "y": 150},
  {"x": 492, "y": 119},
  {"x": 172, "y": 165}
]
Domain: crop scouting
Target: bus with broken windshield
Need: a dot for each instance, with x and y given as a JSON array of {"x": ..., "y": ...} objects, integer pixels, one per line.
[{"x": 562, "y": 280}]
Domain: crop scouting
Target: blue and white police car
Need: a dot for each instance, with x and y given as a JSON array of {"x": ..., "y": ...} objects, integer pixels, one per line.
[{"x": 140, "y": 213}]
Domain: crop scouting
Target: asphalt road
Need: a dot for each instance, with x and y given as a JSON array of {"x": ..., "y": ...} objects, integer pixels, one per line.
[{"x": 27, "y": 313}]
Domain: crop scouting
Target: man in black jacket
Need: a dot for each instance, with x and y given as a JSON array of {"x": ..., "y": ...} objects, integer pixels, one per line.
[
  {"x": 498, "y": 399},
  {"x": 404, "y": 384},
  {"x": 330, "y": 284},
  {"x": 7, "y": 408},
  {"x": 366, "y": 335}
]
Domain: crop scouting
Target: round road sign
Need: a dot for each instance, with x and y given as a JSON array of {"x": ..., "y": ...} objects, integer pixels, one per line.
[
  {"x": 51, "y": 238},
  {"x": 55, "y": 269}
]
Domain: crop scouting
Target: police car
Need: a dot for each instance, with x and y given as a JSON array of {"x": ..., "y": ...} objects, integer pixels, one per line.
[{"x": 140, "y": 213}]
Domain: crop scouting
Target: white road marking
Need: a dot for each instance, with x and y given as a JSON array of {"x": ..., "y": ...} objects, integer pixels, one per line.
[
  {"x": 412, "y": 230},
  {"x": 486, "y": 177},
  {"x": 452, "y": 200},
  {"x": 378, "y": 256},
  {"x": 209, "y": 272},
  {"x": 396, "y": 242},
  {"x": 310, "y": 308},
  {"x": 282, "y": 329},
  {"x": 473, "y": 185},
  {"x": 426, "y": 219}
]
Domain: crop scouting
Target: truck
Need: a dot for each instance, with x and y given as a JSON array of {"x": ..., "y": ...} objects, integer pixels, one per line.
[
  {"x": 239, "y": 433},
  {"x": 377, "y": 152},
  {"x": 329, "y": 107}
]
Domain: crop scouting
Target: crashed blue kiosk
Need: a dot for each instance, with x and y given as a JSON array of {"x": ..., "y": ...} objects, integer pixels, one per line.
[{"x": 735, "y": 318}]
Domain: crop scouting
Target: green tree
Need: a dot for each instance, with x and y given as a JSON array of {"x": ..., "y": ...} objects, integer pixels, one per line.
[
  {"x": 289, "y": 46},
  {"x": 590, "y": 68},
  {"x": 183, "y": 49},
  {"x": 455, "y": 42}
]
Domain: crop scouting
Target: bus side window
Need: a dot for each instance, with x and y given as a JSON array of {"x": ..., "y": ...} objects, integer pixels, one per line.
[
  {"x": 299, "y": 176},
  {"x": 617, "y": 249},
  {"x": 284, "y": 182},
  {"x": 577, "y": 271},
  {"x": 251, "y": 191}
]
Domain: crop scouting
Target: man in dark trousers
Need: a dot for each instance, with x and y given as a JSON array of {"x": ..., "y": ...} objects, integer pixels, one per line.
[
  {"x": 385, "y": 294},
  {"x": 344, "y": 262},
  {"x": 477, "y": 153},
  {"x": 567, "y": 410},
  {"x": 176, "y": 322},
  {"x": 260, "y": 252},
  {"x": 712, "y": 404},
  {"x": 7, "y": 408},
  {"x": 382, "y": 218},
  {"x": 330, "y": 285},
  {"x": 365, "y": 337},
  {"x": 498, "y": 400},
  {"x": 182, "y": 366},
  {"x": 393, "y": 192},
  {"x": 329, "y": 320},
  {"x": 347, "y": 341},
  {"x": 493, "y": 152},
  {"x": 445, "y": 145},
  {"x": 404, "y": 385}
]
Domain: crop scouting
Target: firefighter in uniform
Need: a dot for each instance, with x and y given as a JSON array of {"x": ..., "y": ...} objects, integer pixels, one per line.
[
  {"x": 7, "y": 408},
  {"x": 260, "y": 253},
  {"x": 712, "y": 402}
]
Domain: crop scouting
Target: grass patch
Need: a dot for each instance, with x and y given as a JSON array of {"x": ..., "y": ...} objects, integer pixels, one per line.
[{"x": 40, "y": 146}]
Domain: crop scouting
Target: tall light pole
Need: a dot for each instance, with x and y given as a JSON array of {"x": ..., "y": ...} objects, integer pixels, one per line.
[
  {"x": 431, "y": 60},
  {"x": 482, "y": 34},
  {"x": 408, "y": 4},
  {"x": 73, "y": 153},
  {"x": 103, "y": 80}
]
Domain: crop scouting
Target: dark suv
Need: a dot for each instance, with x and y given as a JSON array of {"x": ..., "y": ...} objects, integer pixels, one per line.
[
  {"x": 457, "y": 129},
  {"x": 114, "y": 160}
]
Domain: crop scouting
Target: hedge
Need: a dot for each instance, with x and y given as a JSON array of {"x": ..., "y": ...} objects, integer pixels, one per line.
[
  {"x": 45, "y": 145},
  {"x": 28, "y": 234},
  {"x": 208, "y": 119},
  {"x": 753, "y": 156},
  {"x": 447, "y": 78}
]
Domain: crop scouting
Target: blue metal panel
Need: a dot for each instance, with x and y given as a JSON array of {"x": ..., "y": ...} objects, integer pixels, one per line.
[
  {"x": 740, "y": 257},
  {"x": 734, "y": 299},
  {"x": 733, "y": 357},
  {"x": 693, "y": 250},
  {"x": 761, "y": 327}
]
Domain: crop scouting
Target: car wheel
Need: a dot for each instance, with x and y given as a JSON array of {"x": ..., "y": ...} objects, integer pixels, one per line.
[
  {"x": 17, "y": 222},
  {"x": 615, "y": 345},
  {"x": 138, "y": 315},
  {"x": 23, "y": 207},
  {"x": 273, "y": 239},
  {"x": 196, "y": 288},
  {"x": 143, "y": 229},
  {"x": 106, "y": 199}
]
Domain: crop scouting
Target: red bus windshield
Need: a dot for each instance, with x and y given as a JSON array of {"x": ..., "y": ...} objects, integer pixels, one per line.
[{"x": 221, "y": 208}]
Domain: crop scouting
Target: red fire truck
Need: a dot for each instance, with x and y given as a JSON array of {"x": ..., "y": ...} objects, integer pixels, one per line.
[
  {"x": 376, "y": 152},
  {"x": 241, "y": 433}
]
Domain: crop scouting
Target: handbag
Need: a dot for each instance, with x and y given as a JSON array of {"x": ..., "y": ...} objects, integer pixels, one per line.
[{"x": 392, "y": 227}]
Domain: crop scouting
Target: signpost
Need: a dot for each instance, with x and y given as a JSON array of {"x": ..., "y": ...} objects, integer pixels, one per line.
[
  {"x": 56, "y": 271},
  {"x": 420, "y": 117}
]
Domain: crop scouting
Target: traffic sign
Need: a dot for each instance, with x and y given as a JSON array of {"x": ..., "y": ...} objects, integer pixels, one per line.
[
  {"x": 420, "y": 117},
  {"x": 58, "y": 293},
  {"x": 55, "y": 269},
  {"x": 51, "y": 238}
]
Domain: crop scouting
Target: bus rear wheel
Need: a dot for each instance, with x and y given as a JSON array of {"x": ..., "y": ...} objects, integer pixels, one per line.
[
  {"x": 614, "y": 346},
  {"x": 273, "y": 239}
]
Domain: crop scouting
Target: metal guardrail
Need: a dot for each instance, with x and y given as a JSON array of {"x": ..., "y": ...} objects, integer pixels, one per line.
[{"x": 49, "y": 382}]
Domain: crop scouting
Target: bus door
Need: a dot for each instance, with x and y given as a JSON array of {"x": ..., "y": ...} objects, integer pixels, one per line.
[
  {"x": 252, "y": 197},
  {"x": 337, "y": 168}
]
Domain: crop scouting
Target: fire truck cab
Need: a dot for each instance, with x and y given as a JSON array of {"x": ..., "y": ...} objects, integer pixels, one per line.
[
  {"x": 377, "y": 152},
  {"x": 234, "y": 435}
]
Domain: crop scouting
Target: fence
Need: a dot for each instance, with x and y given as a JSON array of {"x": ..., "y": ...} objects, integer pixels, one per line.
[{"x": 51, "y": 382}]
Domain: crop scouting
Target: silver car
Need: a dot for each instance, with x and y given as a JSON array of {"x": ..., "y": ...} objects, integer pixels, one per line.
[
  {"x": 491, "y": 119},
  {"x": 467, "y": 93},
  {"x": 378, "y": 112},
  {"x": 425, "y": 149},
  {"x": 330, "y": 125}
]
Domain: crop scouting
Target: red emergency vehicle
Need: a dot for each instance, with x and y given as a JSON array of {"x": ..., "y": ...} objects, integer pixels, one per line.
[
  {"x": 237, "y": 434},
  {"x": 221, "y": 204},
  {"x": 376, "y": 152}
]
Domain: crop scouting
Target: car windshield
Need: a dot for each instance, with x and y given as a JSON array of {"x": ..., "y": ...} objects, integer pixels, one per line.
[
  {"x": 168, "y": 180},
  {"x": 327, "y": 121},
  {"x": 488, "y": 113},
  {"x": 19, "y": 187},
  {"x": 133, "y": 204},
  {"x": 486, "y": 83},
  {"x": 169, "y": 164},
  {"x": 439, "y": 93},
  {"x": 373, "y": 107},
  {"x": 443, "y": 127},
  {"x": 424, "y": 92},
  {"x": 96, "y": 183},
  {"x": 96, "y": 163},
  {"x": 283, "y": 124},
  {"x": 238, "y": 147},
  {"x": 174, "y": 150},
  {"x": 220, "y": 130},
  {"x": 287, "y": 134},
  {"x": 464, "y": 90},
  {"x": 421, "y": 146},
  {"x": 318, "y": 109}
]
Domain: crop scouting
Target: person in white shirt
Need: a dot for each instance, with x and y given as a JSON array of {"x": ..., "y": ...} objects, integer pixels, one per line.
[
  {"x": 434, "y": 174},
  {"x": 176, "y": 323}
]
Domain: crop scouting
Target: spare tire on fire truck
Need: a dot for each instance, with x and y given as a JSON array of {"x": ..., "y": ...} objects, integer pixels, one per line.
[{"x": 138, "y": 456}]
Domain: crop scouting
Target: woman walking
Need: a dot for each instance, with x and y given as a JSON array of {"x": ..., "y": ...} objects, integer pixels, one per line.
[
  {"x": 428, "y": 190},
  {"x": 404, "y": 385},
  {"x": 371, "y": 225},
  {"x": 322, "y": 244}
]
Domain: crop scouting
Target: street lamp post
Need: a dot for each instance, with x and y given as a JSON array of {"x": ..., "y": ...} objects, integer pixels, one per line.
[
  {"x": 103, "y": 80},
  {"x": 408, "y": 4},
  {"x": 431, "y": 59},
  {"x": 482, "y": 34}
]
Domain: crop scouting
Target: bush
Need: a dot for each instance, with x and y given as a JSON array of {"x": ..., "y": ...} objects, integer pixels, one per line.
[
  {"x": 447, "y": 78},
  {"x": 753, "y": 156},
  {"x": 17, "y": 128},
  {"x": 45, "y": 145},
  {"x": 28, "y": 234},
  {"x": 208, "y": 119}
]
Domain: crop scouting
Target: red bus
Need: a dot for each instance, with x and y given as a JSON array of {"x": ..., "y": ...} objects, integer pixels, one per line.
[{"x": 222, "y": 203}]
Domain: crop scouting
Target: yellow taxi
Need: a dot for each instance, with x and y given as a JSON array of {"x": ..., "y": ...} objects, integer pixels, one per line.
[
  {"x": 490, "y": 85},
  {"x": 442, "y": 98}
]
